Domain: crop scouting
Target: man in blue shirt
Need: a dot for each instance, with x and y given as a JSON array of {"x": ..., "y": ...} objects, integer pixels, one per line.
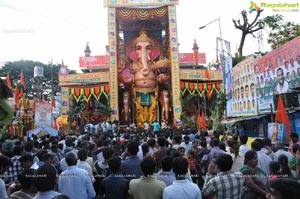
[
  {"x": 181, "y": 188},
  {"x": 156, "y": 127},
  {"x": 115, "y": 186},
  {"x": 130, "y": 167},
  {"x": 75, "y": 182}
]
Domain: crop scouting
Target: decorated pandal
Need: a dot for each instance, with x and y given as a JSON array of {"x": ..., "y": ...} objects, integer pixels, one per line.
[{"x": 141, "y": 80}]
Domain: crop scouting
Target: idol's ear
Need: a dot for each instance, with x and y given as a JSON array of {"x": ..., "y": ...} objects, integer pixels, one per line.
[
  {"x": 154, "y": 53},
  {"x": 132, "y": 55}
]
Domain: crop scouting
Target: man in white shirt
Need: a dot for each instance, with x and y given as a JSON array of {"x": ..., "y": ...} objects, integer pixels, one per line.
[
  {"x": 279, "y": 150},
  {"x": 282, "y": 86},
  {"x": 244, "y": 148},
  {"x": 263, "y": 159},
  {"x": 187, "y": 145}
]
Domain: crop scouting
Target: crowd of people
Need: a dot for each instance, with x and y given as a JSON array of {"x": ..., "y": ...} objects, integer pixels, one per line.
[{"x": 142, "y": 164}]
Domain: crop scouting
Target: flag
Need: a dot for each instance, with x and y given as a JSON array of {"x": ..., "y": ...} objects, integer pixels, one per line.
[
  {"x": 207, "y": 75},
  {"x": 53, "y": 101},
  {"x": 16, "y": 96},
  {"x": 21, "y": 93},
  {"x": 55, "y": 124},
  {"x": 63, "y": 69},
  {"x": 198, "y": 120},
  {"x": 33, "y": 107},
  {"x": 22, "y": 81},
  {"x": 203, "y": 121},
  {"x": 281, "y": 115},
  {"x": 8, "y": 82}
]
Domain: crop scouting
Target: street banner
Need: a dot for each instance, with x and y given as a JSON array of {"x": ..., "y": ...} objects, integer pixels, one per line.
[
  {"x": 275, "y": 132},
  {"x": 276, "y": 73},
  {"x": 241, "y": 87},
  {"x": 94, "y": 62},
  {"x": 43, "y": 114},
  {"x": 189, "y": 58}
]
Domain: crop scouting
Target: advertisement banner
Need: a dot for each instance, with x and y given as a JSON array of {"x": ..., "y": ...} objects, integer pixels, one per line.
[
  {"x": 275, "y": 132},
  {"x": 277, "y": 72},
  {"x": 113, "y": 82},
  {"x": 189, "y": 58},
  {"x": 173, "y": 41},
  {"x": 74, "y": 79},
  {"x": 94, "y": 62},
  {"x": 64, "y": 100},
  {"x": 190, "y": 74},
  {"x": 43, "y": 113},
  {"x": 243, "y": 89}
]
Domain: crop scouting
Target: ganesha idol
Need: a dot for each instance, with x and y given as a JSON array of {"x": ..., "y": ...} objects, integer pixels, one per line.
[{"x": 143, "y": 76}]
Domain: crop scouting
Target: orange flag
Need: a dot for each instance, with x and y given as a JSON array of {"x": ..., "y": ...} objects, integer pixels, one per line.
[
  {"x": 281, "y": 115},
  {"x": 198, "y": 121},
  {"x": 55, "y": 124},
  {"x": 203, "y": 121},
  {"x": 21, "y": 93},
  {"x": 17, "y": 95},
  {"x": 8, "y": 82},
  {"x": 22, "y": 81},
  {"x": 53, "y": 101},
  {"x": 33, "y": 107},
  {"x": 207, "y": 75}
]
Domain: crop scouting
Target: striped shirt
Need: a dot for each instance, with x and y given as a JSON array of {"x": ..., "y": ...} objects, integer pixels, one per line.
[
  {"x": 20, "y": 195},
  {"x": 225, "y": 185}
]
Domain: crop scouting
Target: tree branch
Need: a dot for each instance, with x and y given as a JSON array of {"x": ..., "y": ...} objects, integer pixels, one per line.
[
  {"x": 254, "y": 30},
  {"x": 236, "y": 25},
  {"x": 258, "y": 12}
]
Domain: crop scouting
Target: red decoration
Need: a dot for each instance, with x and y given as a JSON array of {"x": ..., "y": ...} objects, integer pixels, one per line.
[
  {"x": 106, "y": 88},
  {"x": 53, "y": 101},
  {"x": 87, "y": 92},
  {"x": 21, "y": 93},
  {"x": 203, "y": 121},
  {"x": 55, "y": 124},
  {"x": 207, "y": 74},
  {"x": 16, "y": 95},
  {"x": 8, "y": 82},
  {"x": 218, "y": 86},
  {"x": 191, "y": 86},
  {"x": 198, "y": 121},
  {"x": 182, "y": 85},
  {"x": 22, "y": 81},
  {"x": 200, "y": 87}
]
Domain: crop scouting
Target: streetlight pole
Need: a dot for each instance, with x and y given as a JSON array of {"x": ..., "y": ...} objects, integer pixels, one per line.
[{"x": 222, "y": 51}]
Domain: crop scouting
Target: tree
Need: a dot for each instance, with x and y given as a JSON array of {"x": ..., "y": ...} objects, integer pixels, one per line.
[
  {"x": 247, "y": 28},
  {"x": 218, "y": 111},
  {"x": 283, "y": 33},
  {"x": 27, "y": 67}
]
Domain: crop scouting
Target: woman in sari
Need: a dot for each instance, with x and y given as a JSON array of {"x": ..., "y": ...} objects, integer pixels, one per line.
[{"x": 256, "y": 181}]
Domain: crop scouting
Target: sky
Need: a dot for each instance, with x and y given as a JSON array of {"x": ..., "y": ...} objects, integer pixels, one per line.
[{"x": 45, "y": 30}]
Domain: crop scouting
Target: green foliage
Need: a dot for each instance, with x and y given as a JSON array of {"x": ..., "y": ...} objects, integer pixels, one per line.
[
  {"x": 218, "y": 111},
  {"x": 283, "y": 34},
  {"x": 280, "y": 31},
  {"x": 184, "y": 117},
  {"x": 237, "y": 59},
  {"x": 273, "y": 22},
  {"x": 31, "y": 84}
]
